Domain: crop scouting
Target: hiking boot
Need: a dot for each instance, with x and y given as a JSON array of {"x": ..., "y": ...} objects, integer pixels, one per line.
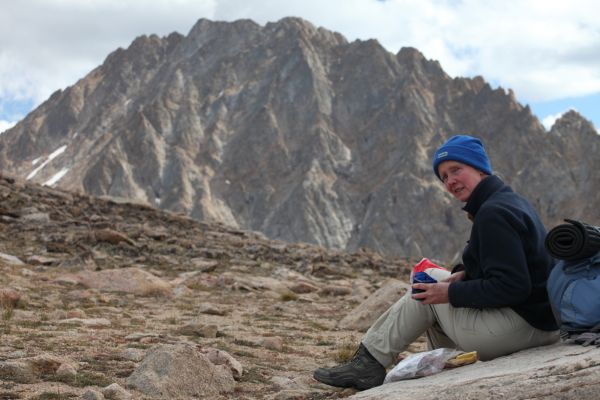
[{"x": 362, "y": 372}]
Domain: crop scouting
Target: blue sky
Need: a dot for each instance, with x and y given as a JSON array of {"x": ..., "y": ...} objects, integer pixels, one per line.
[
  {"x": 588, "y": 106},
  {"x": 547, "y": 52}
]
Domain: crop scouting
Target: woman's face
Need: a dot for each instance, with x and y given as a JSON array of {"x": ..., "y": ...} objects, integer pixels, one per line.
[{"x": 459, "y": 179}]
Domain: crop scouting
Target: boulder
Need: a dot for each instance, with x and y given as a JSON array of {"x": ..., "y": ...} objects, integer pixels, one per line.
[
  {"x": 116, "y": 392},
  {"x": 66, "y": 370},
  {"x": 363, "y": 316},
  {"x": 91, "y": 394},
  {"x": 17, "y": 371},
  {"x": 180, "y": 371},
  {"x": 559, "y": 371}
]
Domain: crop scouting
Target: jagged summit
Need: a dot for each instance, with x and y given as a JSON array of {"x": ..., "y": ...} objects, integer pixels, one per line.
[
  {"x": 570, "y": 122},
  {"x": 291, "y": 130}
]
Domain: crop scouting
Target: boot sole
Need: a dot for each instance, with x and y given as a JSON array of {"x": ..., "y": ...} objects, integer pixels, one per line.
[{"x": 348, "y": 382}]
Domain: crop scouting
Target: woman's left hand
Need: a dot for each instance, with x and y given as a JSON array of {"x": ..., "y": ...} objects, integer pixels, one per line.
[{"x": 434, "y": 293}]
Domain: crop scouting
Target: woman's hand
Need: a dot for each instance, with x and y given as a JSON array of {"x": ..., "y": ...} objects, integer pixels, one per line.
[
  {"x": 455, "y": 277},
  {"x": 433, "y": 293}
]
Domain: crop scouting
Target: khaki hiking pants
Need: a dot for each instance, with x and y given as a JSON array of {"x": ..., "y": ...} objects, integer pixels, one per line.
[{"x": 492, "y": 332}]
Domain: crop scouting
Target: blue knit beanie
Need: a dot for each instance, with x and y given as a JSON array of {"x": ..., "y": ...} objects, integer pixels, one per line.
[{"x": 465, "y": 149}]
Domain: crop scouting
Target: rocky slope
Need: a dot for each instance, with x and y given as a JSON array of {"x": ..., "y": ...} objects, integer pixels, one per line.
[
  {"x": 89, "y": 288},
  {"x": 290, "y": 130},
  {"x": 107, "y": 300}
]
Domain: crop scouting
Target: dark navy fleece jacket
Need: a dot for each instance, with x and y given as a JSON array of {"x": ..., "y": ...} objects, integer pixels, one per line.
[{"x": 505, "y": 260}]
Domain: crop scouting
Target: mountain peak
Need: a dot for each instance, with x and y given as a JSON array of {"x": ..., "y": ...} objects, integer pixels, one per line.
[
  {"x": 570, "y": 123},
  {"x": 290, "y": 130}
]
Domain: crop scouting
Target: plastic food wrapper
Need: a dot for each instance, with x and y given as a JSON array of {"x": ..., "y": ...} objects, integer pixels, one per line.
[
  {"x": 421, "y": 364},
  {"x": 423, "y": 266},
  {"x": 421, "y": 277},
  {"x": 418, "y": 274}
]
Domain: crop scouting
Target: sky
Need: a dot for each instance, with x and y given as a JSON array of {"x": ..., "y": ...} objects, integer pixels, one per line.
[{"x": 546, "y": 51}]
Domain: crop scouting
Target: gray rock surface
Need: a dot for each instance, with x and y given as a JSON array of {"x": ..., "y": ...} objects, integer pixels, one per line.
[{"x": 554, "y": 372}]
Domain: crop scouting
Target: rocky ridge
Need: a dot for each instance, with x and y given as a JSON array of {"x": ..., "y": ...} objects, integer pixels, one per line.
[{"x": 291, "y": 130}]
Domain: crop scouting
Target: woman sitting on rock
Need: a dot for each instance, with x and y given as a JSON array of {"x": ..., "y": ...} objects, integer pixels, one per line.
[{"x": 494, "y": 303}]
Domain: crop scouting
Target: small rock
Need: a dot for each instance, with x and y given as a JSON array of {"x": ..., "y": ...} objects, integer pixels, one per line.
[
  {"x": 197, "y": 281},
  {"x": 92, "y": 322},
  {"x": 17, "y": 371},
  {"x": 196, "y": 329},
  {"x": 16, "y": 354},
  {"x": 124, "y": 280},
  {"x": 57, "y": 315},
  {"x": 281, "y": 382},
  {"x": 66, "y": 371},
  {"x": 211, "y": 309},
  {"x": 92, "y": 394},
  {"x": 66, "y": 280},
  {"x": 37, "y": 217},
  {"x": 272, "y": 343},
  {"x": 220, "y": 357},
  {"x": 149, "y": 340},
  {"x": 86, "y": 295},
  {"x": 12, "y": 260},
  {"x": 27, "y": 272},
  {"x": 76, "y": 313},
  {"x": 116, "y": 392},
  {"x": 303, "y": 287},
  {"x": 332, "y": 290},
  {"x": 285, "y": 383},
  {"x": 41, "y": 260},
  {"x": 112, "y": 237},
  {"x": 29, "y": 210},
  {"x": 45, "y": 364},
  {"x": 132, "y": 354},
  {"x": 204, "y": 265},
  {"x": 292, "y": 395},
  {"x": 181, "y": 291},
  {"x": 138, "y": 320},
  {"x": 25, "y": 315},
  {"x": 225, "y": 279}
]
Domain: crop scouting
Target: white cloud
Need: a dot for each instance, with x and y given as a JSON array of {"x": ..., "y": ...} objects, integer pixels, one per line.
[
  {"x": 542, "y": 50},
  {"x": 549, "y": 120},
  {"x": 46, "y": 45},
  {"x": 4, "y": 125}
]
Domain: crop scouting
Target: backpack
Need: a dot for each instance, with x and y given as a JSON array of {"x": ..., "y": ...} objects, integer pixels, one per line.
[{"x": 574, "y": 292}]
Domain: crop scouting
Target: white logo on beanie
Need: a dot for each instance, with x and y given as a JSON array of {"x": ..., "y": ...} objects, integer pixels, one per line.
[{"x": 442, "y": 154}]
